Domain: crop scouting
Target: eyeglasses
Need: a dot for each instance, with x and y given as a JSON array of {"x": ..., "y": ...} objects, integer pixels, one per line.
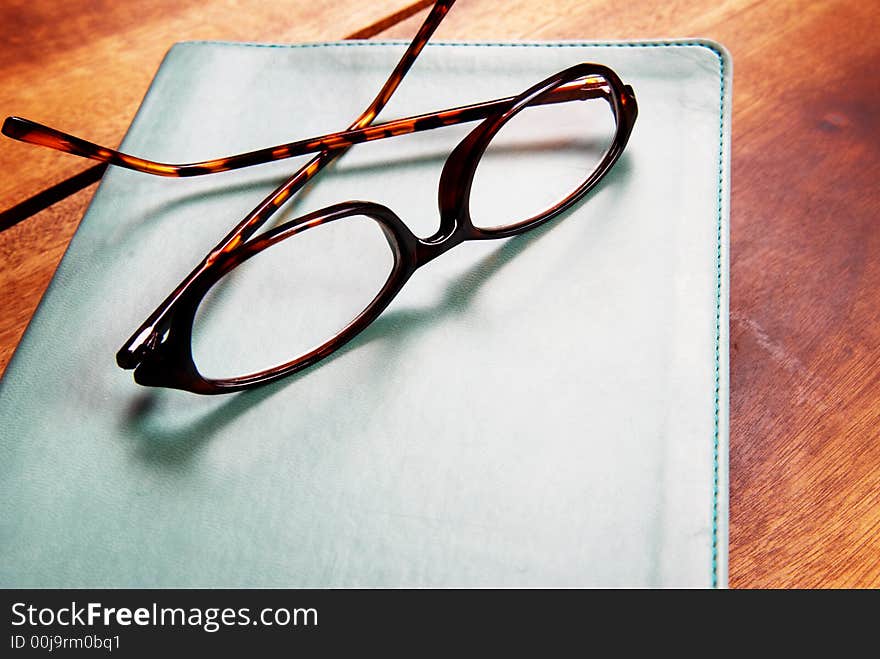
[{"x": 181, "y": 345}]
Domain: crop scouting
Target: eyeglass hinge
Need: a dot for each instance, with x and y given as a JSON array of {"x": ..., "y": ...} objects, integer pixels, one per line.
[{"x": 133, "y": 352}]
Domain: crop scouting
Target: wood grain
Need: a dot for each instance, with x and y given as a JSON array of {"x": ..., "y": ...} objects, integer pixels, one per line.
[
  {"x": 805, "y": 265},
  {"x": 805, "y": 273}
]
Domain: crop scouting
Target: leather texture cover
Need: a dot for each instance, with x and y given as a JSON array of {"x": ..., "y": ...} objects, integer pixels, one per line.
[{"x": 549, "y": 410}]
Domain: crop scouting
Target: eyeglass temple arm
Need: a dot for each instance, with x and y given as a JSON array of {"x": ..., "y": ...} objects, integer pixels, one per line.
[{"x": 32, "y": 132}]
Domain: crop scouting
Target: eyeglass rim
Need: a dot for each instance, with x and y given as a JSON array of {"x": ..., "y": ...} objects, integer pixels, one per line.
[{"x": 462, "y": 164}]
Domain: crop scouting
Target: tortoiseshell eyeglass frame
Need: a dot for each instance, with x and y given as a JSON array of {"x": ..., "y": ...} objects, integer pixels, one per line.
[{"x": 160, "y": 351}]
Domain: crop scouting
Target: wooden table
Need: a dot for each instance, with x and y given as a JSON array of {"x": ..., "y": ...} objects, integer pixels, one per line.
[{"x": 805, "y": 272}]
